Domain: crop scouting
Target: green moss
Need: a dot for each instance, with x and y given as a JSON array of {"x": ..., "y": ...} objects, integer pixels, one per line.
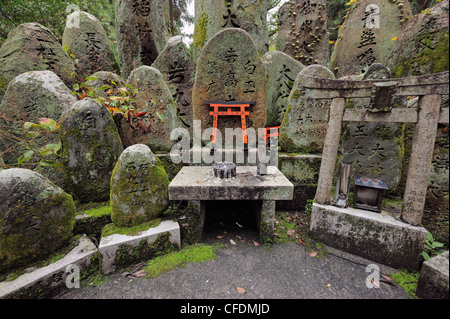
[
  {"x": 408, "y": 281},
  {"x": 200, "y": 31},
  {"x": 429, "y": 60},
  {"x": 190, "y": 254},
  {"x": 112, "y": 229}
]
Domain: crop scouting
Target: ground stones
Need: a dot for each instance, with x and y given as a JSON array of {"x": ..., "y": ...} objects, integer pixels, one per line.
[
  {"x": 142, "y": 32},
  {"x": 306, "y": 120},
  {"x": 229, "y": 69},
  {"x": 368, "y": 35},
  {"x": 213, "y": 16},
  {"x": 139, "y": 187},
  {"x": 91, "y": 146},
  {"x": 88, "y": 42},
  {"x": 36, "y": 217},
  {"x": 32, "y": 47},
  {"x": 156, "y": 112},
  {"x": 302, "y": 31},
  {"x": 281, "y": 72},
  {"x": 178, "y": 70}
]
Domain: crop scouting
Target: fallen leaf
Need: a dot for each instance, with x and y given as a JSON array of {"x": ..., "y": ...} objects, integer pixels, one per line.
[
  {"x": 290, "y": 232},
  {"x": 220, "y": 237},
  {"x": 255, "y": 243},
  {"x": 198, "y": 182},
  {"x": 329, "y": 285},
  {"x": 232, "y": 242},
  {"x": 301, "y": 241},
  {"x": 313, "y": 254},
  {"x": 185, "y": 225},
  {"x": 241, "y": 290},
  {"x": 140, "y": 273},
  {"x": 276, "y": 234},
  {"x": 374, "y": 282}
]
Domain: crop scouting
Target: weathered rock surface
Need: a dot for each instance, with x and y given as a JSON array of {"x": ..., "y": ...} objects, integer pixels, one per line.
[
  {"x": 91, "y": 146},
  {"x": 368, "y": 35},
  {"x": 305, "y": 123},
  {"x": 281, "y": 72},
  {"x": 229, "y": 69},
  {"x": 89, "y": 43},
  {"x": 213, "y": 16},
  {"x": 156, "y": 112},
  {"x": 36, "y": 217},
  {"x": 142, "y": 28},
  {"x": 139, "y": 187},
  {"x": 178, "y": 70},
  {"x": 32, "y": 47},
  {"x": 302, "y": 31}
]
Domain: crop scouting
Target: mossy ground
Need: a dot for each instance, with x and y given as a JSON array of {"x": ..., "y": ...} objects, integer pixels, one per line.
[
  {"x": 407, "y": 280},
  {"x": 190, "y": 254}
]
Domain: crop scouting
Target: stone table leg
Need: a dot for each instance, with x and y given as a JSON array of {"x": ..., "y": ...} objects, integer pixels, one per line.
[{"x": 267, "y": 221}]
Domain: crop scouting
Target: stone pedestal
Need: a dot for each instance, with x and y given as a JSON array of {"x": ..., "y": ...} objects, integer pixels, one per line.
[
  {"x": 199, "y": 184},
  {"x": 434, "y": 279},
  {"x": 378, "y": 237}
]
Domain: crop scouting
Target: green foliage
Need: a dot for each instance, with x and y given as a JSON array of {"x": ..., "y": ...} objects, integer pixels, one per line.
[
  {"x": 48, "y": 155},
  {"x": 432, "y": 248},
  {"x": 407, "y": 280}
]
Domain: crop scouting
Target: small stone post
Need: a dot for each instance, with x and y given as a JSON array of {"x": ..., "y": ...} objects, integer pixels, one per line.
[
  {"x": 420, "y": 160},
  {"x": 330, "y": 151}
]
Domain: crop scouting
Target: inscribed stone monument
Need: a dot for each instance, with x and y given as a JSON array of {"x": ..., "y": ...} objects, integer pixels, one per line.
[
  {"x": 229, "y": 69},
  {"x": 91, "y": 146},
  {"x": 213, "y": 16},
  {"x": 89, "y": 44},
  {"x": 155, "y": 115},
  {"x": 368, "y": 35},
  {"x": 305, "y": 123},
  {"x": 281, "y": 72},
  {"x": 178, "y": 70},
  {"x": 37, "y": 217},
  {"x": 32, "y": 47},
  {"x": 139, "y": 187},
  {"x": 142, "y": 28},
  {"x": 302, "y": 31},
  {"x": 31, "y": 96}
]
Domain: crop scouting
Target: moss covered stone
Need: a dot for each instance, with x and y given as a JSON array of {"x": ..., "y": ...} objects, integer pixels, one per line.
[
  {"x": 91, "y": 146},
  {"x": 36, "y": 217},
  {"x": 139, "y": 187}
]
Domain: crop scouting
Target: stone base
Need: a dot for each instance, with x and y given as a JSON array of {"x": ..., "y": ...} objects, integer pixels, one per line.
[
  {"x": 377, "y": 237},
  {"x": 47, "y": 281},
  {"x": 110, "y": 245},
  {"x": 434, "y": 278}
]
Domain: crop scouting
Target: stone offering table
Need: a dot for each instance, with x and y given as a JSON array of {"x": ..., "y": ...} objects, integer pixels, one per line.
[{"x": 197, "y": 184}]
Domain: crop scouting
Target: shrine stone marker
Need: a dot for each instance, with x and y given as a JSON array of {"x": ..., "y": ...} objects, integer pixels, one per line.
[
  {"x": 423, "y": 46},
  {"x": 139, "y": 187},
  {"x": 302, "y": 31},
  {"x": 306, "y": 120},
  {"x": 32, "y": 47},
  {"x": 368, "y": 35},
  {"x": 37, "y": 217},
  {"x": 142, "y": 32},
  {"x": 281, "y": 72},
  {"x": 156, "y": 112},
  {"x": 31, "y": 96},
  {"x": 213, "y": 16},
  {"x": 229, "y": 69},
  {"x": 178, "y": 70},
  {"x": 91, "y": 146},
  {"x": 88, "y": 42}
]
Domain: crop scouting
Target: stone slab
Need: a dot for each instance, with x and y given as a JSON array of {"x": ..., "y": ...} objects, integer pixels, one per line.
[
  {"x": 80, "y": 256},
  {"x": 110, "y": 244},
  {"x": 198, "y": 183},
  {"x": 434, "y": 278},
  {"x": 378, "y": 237}
]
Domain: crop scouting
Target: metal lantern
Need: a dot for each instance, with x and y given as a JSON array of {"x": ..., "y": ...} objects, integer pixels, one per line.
[{"x": 369, "y": 193}]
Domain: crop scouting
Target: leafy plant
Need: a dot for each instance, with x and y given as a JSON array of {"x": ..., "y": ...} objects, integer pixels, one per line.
[
  {"x": 47, "y": 155},
  {"x": 432, "y": 248}
]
